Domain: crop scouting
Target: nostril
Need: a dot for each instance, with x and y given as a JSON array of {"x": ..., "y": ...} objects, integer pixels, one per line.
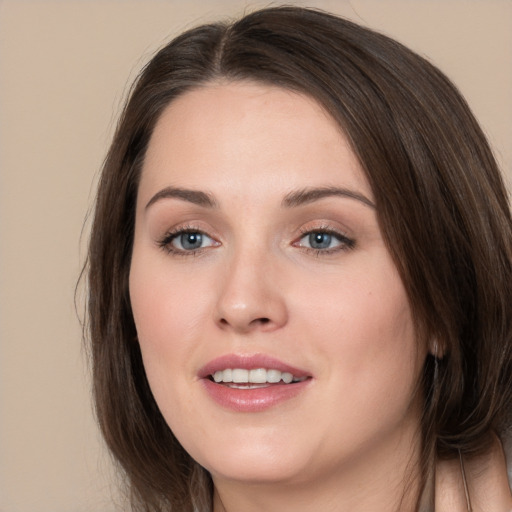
[
  {"x": 262, "y": 321},
  {"x": 244, "y": 323}
]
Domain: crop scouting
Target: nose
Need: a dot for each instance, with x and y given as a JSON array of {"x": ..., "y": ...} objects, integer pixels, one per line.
[{"x": 250, "y": 296}]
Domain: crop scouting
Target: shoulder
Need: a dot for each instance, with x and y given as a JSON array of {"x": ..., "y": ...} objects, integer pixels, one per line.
[
  {"x": 487, "y": 485},
  {"x": 507, "y": 448}
]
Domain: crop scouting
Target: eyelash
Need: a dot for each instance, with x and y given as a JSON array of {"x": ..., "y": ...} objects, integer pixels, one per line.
[
  {"x": 345, "y": 243},
  {"x": 166, "y": 242}
]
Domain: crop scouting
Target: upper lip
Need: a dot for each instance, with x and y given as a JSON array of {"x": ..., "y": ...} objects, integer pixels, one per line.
[{"x": 249, "y": 362}]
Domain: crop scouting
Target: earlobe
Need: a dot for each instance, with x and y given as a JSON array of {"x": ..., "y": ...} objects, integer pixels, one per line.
[{"x": 436, "y": 349}]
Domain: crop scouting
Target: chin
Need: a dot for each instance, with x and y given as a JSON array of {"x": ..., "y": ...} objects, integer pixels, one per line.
[
  {"x": 248, "y": 459},
  {"x": 257, "y": 471}
]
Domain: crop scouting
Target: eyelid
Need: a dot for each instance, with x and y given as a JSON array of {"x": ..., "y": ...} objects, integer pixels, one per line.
[
  {"x": 165, "y": 242},
  {"x": 346, "y": 242}
]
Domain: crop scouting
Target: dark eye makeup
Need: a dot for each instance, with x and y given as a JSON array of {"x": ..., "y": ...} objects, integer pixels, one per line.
[
  {"x": 186, "y": 241},
  {"x": 189, "y": 241},
  {"x": 324, "y": 241}
]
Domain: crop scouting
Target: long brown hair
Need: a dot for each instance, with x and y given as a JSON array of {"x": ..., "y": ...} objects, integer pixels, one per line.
[{"x": 441, "y": 204}]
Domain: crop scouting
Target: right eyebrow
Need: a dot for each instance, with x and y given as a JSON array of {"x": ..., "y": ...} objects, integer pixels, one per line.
[{"x": 192, "y": 196}]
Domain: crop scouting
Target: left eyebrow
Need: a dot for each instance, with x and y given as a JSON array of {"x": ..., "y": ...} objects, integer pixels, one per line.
[{"x": 309, "y": 195}]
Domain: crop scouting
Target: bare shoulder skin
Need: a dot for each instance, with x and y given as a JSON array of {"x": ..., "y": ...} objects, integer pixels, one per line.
[{"x": 487, "y": 484}]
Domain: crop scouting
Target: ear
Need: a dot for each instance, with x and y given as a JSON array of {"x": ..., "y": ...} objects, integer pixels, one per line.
[{"x": 437, "y": 349}]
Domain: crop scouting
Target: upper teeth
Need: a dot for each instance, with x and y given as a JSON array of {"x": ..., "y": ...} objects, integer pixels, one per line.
[{"x": 256, "y": 376}]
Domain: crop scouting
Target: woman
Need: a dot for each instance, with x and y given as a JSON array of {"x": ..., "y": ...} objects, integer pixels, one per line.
[{"x": 300, "y": 275}]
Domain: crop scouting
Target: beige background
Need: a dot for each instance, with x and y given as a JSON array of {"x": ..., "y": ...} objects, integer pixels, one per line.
[{"x": 63, "y": 73}]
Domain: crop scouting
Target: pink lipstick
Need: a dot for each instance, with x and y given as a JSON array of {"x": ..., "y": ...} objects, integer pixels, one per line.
[{"x": 252, "y": 383}]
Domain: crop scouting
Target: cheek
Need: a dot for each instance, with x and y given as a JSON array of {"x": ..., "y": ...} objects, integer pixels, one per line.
[
  {"x": 166, "y": 305},
  {"x": 364, "y": 310},
  {"x": 166, "y": 318},
  {"x": 364, "y": 325},
  {"x": 164, "y": 323}
]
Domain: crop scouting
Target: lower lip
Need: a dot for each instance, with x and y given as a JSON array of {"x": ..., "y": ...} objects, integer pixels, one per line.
[{"x": 253, "y": 400}]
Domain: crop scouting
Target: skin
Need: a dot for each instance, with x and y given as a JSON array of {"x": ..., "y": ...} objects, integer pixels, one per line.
[
  {"x": 350, "y": 440},
  {"x": 486, "y": 479}
]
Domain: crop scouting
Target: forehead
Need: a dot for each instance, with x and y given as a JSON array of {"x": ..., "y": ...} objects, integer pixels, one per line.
[{"x": 245, "y": 133}]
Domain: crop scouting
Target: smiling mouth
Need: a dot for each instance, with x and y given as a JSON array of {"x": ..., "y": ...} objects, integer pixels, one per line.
[
  {"x": 239, "y": 378},
  {"x": 252, "y": 383}
]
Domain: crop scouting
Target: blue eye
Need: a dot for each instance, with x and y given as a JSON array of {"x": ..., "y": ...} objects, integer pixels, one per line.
[
  {"x": 325, "y": 241},
  {"x": 190, "y": 241},
  {"x": 186, "y": 242},
  {"x": 320, "y": 240}
]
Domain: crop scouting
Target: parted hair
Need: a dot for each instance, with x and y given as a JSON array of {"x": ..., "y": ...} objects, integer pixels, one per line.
[{"x": 441, "y": 205}]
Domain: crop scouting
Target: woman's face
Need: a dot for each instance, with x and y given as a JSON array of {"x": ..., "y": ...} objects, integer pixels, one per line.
[{"x": 257, "y": 260}]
